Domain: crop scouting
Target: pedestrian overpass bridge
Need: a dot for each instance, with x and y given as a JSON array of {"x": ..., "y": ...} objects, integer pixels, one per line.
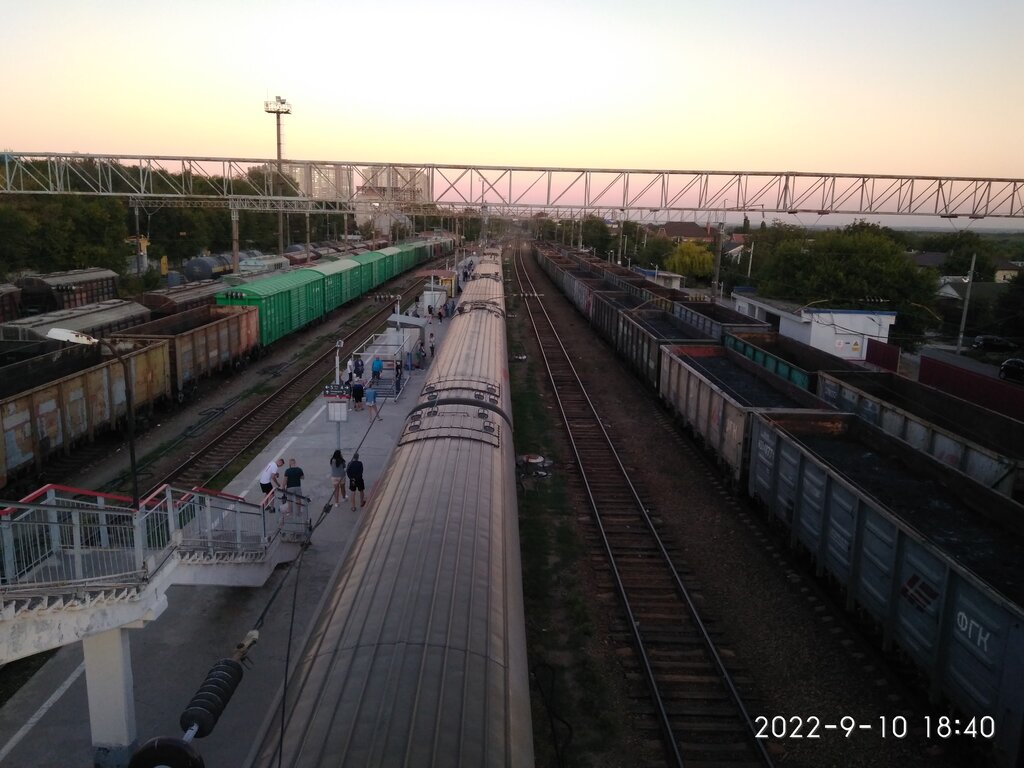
[{"x": 78, "y": 565}]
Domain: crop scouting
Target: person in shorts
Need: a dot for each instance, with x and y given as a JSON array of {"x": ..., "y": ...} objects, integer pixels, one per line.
[
  {"x": 371, "y": 402},
  {"x": 269, "y": 477}
]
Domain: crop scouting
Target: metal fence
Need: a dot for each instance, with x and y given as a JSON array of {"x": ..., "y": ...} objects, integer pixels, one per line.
[{"x": 60, "y": 538}]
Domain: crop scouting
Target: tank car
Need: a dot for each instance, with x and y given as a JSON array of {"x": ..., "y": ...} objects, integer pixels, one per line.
[
  {"x": 419, "y": 654},
  {"x": 208, "y": 267}
]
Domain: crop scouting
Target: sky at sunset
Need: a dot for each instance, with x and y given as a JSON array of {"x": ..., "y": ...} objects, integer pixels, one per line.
[{"x": 930, "y": 87}]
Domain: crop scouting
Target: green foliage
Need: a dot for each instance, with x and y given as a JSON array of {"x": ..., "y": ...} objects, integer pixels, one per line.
[
  {"x": 657, "y": 251},
  {"x": 52, "y": 234},
  {"x": 859, "y": 267},
  {"x": 691, "y": 259},
  {"x": 596, "y": 235},
  {"x": 960, "y": 247}
]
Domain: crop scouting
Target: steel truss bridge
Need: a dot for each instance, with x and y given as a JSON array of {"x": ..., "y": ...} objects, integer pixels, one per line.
[{"x": 312, "y": 186}]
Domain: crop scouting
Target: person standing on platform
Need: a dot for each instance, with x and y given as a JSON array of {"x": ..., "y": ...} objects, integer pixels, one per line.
[
  {"x": 376, "y": 369},
  {"x": 293, "y": 486},
  {"x": 355, "y": 481},
  {"x": 359, "y": 368},
  {"x": 357, "y": 395},
  {"x": 269, "y": 478},
  {"x": 440, "y": 314},
  {"x": 431, "y": 346},
  {"x": 338, "y": 476},
  {"x": 350, "y": 368},
  {"x": 371, "y": 402},
  {"x": 398, "y": 376}
]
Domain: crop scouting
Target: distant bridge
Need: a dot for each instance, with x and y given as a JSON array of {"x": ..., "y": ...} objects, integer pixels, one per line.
[{"x": 312, "y": 186}]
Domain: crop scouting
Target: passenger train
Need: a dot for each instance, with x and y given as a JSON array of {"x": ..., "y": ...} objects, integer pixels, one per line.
[{"x": 419, "y": 654}]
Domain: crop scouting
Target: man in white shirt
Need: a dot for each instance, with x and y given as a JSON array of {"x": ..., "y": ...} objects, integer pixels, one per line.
[{"x": 269, "y": 477}]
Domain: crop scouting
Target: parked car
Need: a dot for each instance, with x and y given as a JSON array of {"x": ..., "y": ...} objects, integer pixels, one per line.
[
  {"x": 1012, "y": 369},
  {"x": 992, "y": 342}
]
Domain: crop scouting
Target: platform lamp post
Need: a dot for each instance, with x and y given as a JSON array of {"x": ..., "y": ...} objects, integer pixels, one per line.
[
  {"x": 278, "y": 107},
  {"x": 74, "y": 337}
]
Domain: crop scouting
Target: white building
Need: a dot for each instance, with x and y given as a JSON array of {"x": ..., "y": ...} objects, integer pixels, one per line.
[{"x": 841, "y": 332}]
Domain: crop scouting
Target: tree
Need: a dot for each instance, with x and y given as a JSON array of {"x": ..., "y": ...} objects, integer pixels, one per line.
[
  {"x": 691, "y": 259},
  {"x": 657, "y": 251},
  {"x": 960, "y": 247},
  {"x": 854, "y": 268},
  {"x": 596, "y": 235}
]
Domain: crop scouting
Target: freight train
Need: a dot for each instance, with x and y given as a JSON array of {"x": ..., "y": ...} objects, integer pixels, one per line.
[
  {"x": 64, "y": 290},
  {"x": 913, "y": 520},
  {"x": 55, "y": 398},
  {"x": 215, "y": 265},
  {"x": 419, "y": 654}
]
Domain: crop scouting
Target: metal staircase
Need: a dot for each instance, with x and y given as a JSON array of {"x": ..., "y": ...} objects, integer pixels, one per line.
[{"x": 68, "y": 556}]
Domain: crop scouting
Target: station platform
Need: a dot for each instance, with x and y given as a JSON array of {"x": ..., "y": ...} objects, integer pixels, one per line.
[{"x": 46, "y": 723}]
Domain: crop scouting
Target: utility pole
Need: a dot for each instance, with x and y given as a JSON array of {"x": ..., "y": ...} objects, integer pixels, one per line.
[
  {"x": 967, "y": 300},
  {"x": 278, "y": 107}
]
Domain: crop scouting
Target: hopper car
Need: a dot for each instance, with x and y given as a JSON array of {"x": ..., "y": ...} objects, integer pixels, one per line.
[{"x": 912, "y": 520}]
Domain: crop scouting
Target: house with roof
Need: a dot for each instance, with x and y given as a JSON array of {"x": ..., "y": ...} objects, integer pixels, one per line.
[
  {"x": 841, "y": 332},
  {"x": 685, "y": 231},
  {"x": 1005, "y": 271}
]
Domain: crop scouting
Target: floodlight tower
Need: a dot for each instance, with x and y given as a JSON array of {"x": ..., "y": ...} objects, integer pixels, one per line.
[{"x": 278, "y": 107}]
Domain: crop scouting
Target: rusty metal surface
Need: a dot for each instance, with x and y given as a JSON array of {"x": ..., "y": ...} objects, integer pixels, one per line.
[{"x": 54, "y": 416}]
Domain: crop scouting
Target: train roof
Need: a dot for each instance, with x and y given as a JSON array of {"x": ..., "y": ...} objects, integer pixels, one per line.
[
  {"x": 70, "y": 277},
  {"x": 334, "y": 267},
  {"x": 171, "y": 298},
  {"x": 81, "y": 318},
  {"x": 269, "y": 286},
  {"x": 369, "y": 257}
]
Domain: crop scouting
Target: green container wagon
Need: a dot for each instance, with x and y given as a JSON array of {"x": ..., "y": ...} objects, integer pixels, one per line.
[
  {"x": 392, "y": 261},
  {"x": 342, "y": 282},
  {"x": 286, "y": 302},
  {"x": 374, "y": 263}
]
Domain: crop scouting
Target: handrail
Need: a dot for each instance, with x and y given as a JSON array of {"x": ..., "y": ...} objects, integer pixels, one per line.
[{"x": 60, "y": 538}]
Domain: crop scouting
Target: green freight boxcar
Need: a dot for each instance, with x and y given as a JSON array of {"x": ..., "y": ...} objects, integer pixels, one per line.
[
  {"x": 342, "y": 281},
  {"x": 375, "y": 263},
  {"x": 286, "y": 302},
  {"x": 391, "y": 264}
]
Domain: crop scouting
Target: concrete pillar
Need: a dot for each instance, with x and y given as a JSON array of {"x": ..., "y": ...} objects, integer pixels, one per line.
[{"x": 109, "y": 682}]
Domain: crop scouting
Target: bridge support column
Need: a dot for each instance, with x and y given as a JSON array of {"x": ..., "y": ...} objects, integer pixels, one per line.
[{"x": 109, "y": 681}]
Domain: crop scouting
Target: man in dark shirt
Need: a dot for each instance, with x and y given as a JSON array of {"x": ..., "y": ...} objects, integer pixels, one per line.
[
  {"x": 293, "y": 486},
  {"x": 355, "y": 481}
]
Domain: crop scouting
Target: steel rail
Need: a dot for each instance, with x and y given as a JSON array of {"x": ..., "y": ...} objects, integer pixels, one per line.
[
  {"x": 277, "y": 405},
  {"x": 531, "y": 299}
]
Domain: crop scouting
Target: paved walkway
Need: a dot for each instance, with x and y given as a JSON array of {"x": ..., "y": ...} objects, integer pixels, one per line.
[{"x": 46, "y": 722}]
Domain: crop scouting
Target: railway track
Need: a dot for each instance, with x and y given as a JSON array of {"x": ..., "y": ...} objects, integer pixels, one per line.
[
  {"x": 249, "y": 430},
  {"x": 696, "y": 704}
]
